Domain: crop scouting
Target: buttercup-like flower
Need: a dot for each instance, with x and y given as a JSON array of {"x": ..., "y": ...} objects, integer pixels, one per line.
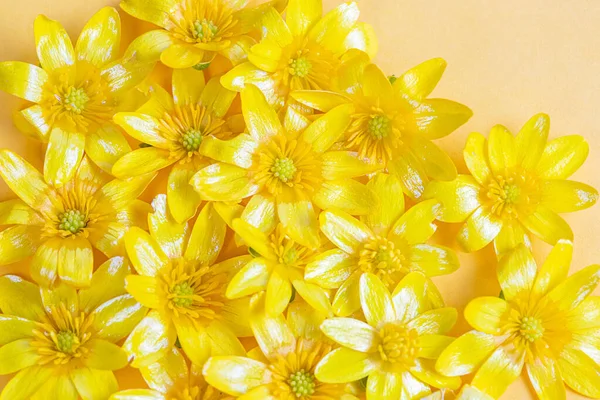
[
  {"x": 78, "y": 89},
  {"x": 184, "y": 288},
  {"x": 289, "y": 170},
  {"x": 59, "y": 226},
  {"x": 546, "y": 322},
  {"x": 284, "y": 365},
  {"x": 302, "y": 52},
  {"x": 467, "y": 392},
  {"x": 518, "y": 185},
  {"x": 278, "y": 270},
  {"x": 394, "y": 123},
  {"x": 197, "y": 30},
  {"x": 397, "y": 346},
  {"x": 389, "y": 243},
  {"x": 177, "y": 128},
  {"x": 171, "y": 378},
  {"x": 62, "y": 342}
]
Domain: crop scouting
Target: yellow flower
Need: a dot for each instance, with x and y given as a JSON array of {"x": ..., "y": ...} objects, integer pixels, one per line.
[
  {"x": 303, "y": 51},
  {"x": 172, "y": 378},
  {"x": 78, "y": 89},
  {"x": 467, "y": 392},
  {"x": 184, "y": 288},
  {"x": 397, "y": 346},
  {"x": 394, "y": 123},
  {"x": 59, "y": 226},
  {"x": 283, "y": 367},
  {"x": 177, "y": 128},
  {"x": 389, "y": 243},
  {"x": 517, "y": 186},
  {"x": 278, "y": 270},
  {"x": 195, "y": 31},
  {"x": 546, "y": 321},
  {"x": 62, "y": 342},
  {"x": 290, "y": 170}
]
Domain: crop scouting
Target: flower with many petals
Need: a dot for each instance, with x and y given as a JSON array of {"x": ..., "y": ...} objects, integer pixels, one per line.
[
  {"x": 389, "y": 243},
  {"x": 518, "y": 185},
  {"x": 184, "y": 288},
  {"x": 289, "y": 170},
  {"x": 283, "y": 367},
  {"x": 398, "y": 345},
  {"x": 394, "y": 123},
  {"x": 302, "y": 52},
  {"x": 60, "y": 226},
  {"x": 546, "y": 322},
  {"x": 78, "y": 89},
  {"x": 62, "y": 342},
  {"x": 177, "y": 128}
]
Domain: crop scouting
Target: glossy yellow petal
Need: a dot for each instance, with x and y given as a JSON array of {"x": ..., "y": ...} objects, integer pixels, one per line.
[
  {"x": 414, "y": 295},
  {"x": 295, "y": 122},
  {"x": 207, "y": 236},
  {"x": 62, "y": 293},
  {"x": 545, "y": 377},
  {"x": 18, "y": 355},
  {"x": 409, "y": 169},
  {"x": 416, "y": 225},
  {"x": 104, "y": 355},
  {"x": 254, "y": 238},
  {"x": 235, "y": 375},
  {"x": 548, "y": 225},
  {"x": 331, "y": 30},
  {"x": 194, "y": 340},
  {"x": 555, "y": 269},
  {"x": 145, "y": 254},
  {"x": 346, "y": 195},
  {"x": 223, "y": 182},
  {"x": 488, "y": 314},
  {"x": 516, "y": 273},
  {"x": 304, "y": 321},
  {"x": 18, "y": 242},
  {"x": 105, "y": 146},
  {"x": 154, "y": 11},
  {"x": 418, "y": 82},
  {"x": 499, "y": 371},
  {"x": 216, "y": 98},
  {"x": 267, "y": 54},
  {"x": 22, "y": 80},
  {"x": 183, "y": 200},
  {"x": 299, "y": 219},
  {"x": 20, "y": 298},
  {"x": 137, "y": 394},
  {"x": 261, "y": 119},
  {"x": 272, "y": 333},
  {"x": 119, "y": 194},
  {"x": 150, "y": 340},
  {"x": 94, "y": 384},
  {"x": 116, "y": 318},
  {"x": 53, "y": 45},
  {"x": 436, "y": 163},
  {"x": 573, "y": 290},
  {"x": 223, "y": 340},
  {"x": 100, "y": 38},
  {"x": 345, "y": 231},
  {"x": 163, "y": 374},
  {"x": 127, "y": 72},
  {"x": 459, "y": 197},
  {"x": 14, "y": 328},
  {"x": 238, "y": 49},
  {"x": 236, "y": 316},
  {"x": 29, "y": 380},
  {"x": 469, "y": 392},
  {"x": 562, "y": 157},
  {"x": 34, "y": 118},
  {"x": 510, "y": 236},
  {"x": 145, "y": 289},
  {"x": 345, "y": 164},
  {"x": 413, "y": 388},
  {"x": 390, "y": 205},
  {"x": 57, "y": 387},
  {"x": 376, "y": 301},
  {"x": 237, "y": 151},
  {"x": 567, "y": 196},
  {"x": 141, "y": 127},
  {"x": 344, "y": 365},
  {"x": 16, "y": 212},
  {"x": 247, "y": 73},
  {"x": 580, "y": 372},
  {"x": 383, "y": 385},
  {"x": 531, "y": 140},
  {"x": 330, "y": 269},
  {"x": 188, "y": 85},
  {"x": 347, "y": 297},
  {"x": 476, "y": 158},
  {"x": 375, "y": 84},
  {"x": 431, "y": 346},
  {"x": 350, "y": 72},
  {"x": 351, "y": 333},
  {"x": 317, "y": 297},
  {"x": 479, "y": 230},
  {"x": 142, "y": 161},
  {"x": 502, "y": 151},
  {"x": 76, "y": 262},
  {"x": 64, "y": 152},
  {"x": 302, "y": 15},
  {"x": 108, "y": 237},
  {"x": 432, "y": 260},
  {"x": 328, "y": 128},
  {"x": 44, "y": 265},
  {"x": 169, "y": 235},
  {"x": 319, "y": 99},
  {"x": 437, "y": 118},
  {"x": 425, "y": 372},
  {"x": 363, "y": 37},
  {"x": 278, "y": 293},
  {"x": 435, "y": 322},
  {"x": 148, "y": 47},
  {"x": 260, "y": 213}
]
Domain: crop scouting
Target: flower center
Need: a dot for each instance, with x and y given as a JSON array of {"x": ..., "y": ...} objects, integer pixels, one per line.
[
  {"x": 302, "y": 383},
  {"x": 531, "y": 329},
  {"x": 76, "y": 100},
  {"x": 290, "y": 256},
  {"x": 205, "y": 30},
  {"x": 382, "y": 258},
  {"x": 183, "y": 293},
  {"x": 379, "y": 126},
  {"x": 284, "y": 169},
  {"x": 65, "y": 340},
  {"x": 300, "y": 67},
  {"x": 191, "y": 139},
  {"x": 72, "y": 221},
  {"x": 399, "y": 344}
]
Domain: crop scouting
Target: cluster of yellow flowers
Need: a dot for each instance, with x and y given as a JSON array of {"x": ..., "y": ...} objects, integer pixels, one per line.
[{"x": 280, "y": 259}]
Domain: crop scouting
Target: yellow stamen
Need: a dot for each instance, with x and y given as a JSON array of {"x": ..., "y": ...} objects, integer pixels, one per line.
[
  {"x": 205, "y": 30},
  {"x": 399, "y": 344},
  {"x": 383, "y": 258}
]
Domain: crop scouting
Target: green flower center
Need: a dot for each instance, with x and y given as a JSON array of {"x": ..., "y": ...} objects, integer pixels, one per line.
[
  {"x": 204, "y": 30},
  {"x": 379, "y": 126},
  {"x": 302, "y": 383},
  {"x": 191, "y": 140},
  {"x": 290, "y": 256},
  {"x": 531, "y": 329},
  {"x": 300, "y": 67},
  {"x": 76, "y": 100},
  {"x": 399, "y": 344},
  {"x": 65, "y": 341},
  {"x": 182, "y": 294},
  {"x": 72, "y": 221},
  {"x": 284, "y": 169},
  {"x": 511, "y": 193}
]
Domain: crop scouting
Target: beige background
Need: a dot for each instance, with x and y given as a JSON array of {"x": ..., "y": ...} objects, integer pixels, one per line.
[{"x": 507, "y": 60}]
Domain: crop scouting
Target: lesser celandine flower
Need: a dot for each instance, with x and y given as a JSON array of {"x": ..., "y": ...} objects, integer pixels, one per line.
[
  {"x": 518, "y": 185},
  {"x": 546, "y": 322},
  {"x": 184, "y": 288},
  {"x": 397, "y": 346},
  {"x": 394, "y": 123},
  {"x": 60, "y": 226},
  {"x": 388, "y": 242},
  {"x": 178, "y": 129},
  {"x": 467, "y": 392},
  {"x": 289, "y": 170},
  {"x": 303, "y": 51},
  {"x": 62, "y": 342},
  {"x": 283, "y": 367},
  {"x": 78, "y": 89},
  {"x": 278, "y": 270}
]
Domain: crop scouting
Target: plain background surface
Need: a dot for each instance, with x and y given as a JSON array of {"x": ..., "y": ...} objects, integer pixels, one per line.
[{"x": 506, "y": 60}]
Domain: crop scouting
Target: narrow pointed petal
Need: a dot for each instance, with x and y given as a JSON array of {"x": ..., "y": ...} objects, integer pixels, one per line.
[
  {"x": 476, "y": 158},
  {"x": 346, "y": 195},
  {"x": 573, "y": 290},
  {"x": 223, "y": 182},
  {"x": 479, "y": 230},
  {"x": 555, "y": 269},
  {"x": 100, "y": 39},
  {"x": 331, "y": 30},
  {"x": 150, "y": 340},
  {"x": 260, "y": 117},
  {"x": 580, "y": 372},
  {"x": 351, "y": 333},
  {"x": 330, "y": 269},
  {"x": 344, "y": 365},
  {"x": 182, "y": 199},
  {"x": 22, "y": 80},
  {"x": 54, "y": 47},
  {"x": 345, "y": 231},
  {"x": 499, "y": 371},
  {"x": 376, "y": 301},
  {"x": 145, "y": 254},
  {"x": 328, "y": 128},
  {"x": 562, "y": 157},
  {"x": 531, "y": 140},
  {"x": 466, "y": 354},
  {"x": 390, "y": 204},
  {"x": 116, "y": 318},
  {"x": 21, "y": 298},
  {"x": 302, "y": 15},
  {"x": 63, "y": 155},
  {"x": 418, "y": 82},
  {"x": 105, "y": 146},
  {"x": 94, "y": 384},
  {"x": 383, "y": 385},
  {"x": 516, "y": 273},
  {"x": 545, "y": 377},
  {"x": 548, "y": 225},
  {"x": 299, "y": 218},
  {"x": 207, "y": 236}
]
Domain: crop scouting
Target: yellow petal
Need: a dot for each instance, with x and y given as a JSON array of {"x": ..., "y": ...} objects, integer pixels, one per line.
[
  {"x": 390, "y": 205},
  {"x": 479, "y": 230},
  {"x": 127, "y": 72},
  {"x": 562, "y": 157},
  {"x": 516, "y": 273},
  {"x": 432, "y": 260},
  {"x": 235, "y": 375},
  {"x": 236, "y": 316},
  {"x": 436, "y": 163},
  {"x": 409, "y": 169},
  {"x": 137, "y": 394},
  {"x": 260, "y": 213},
  {"x": 546, "y": 379},
  {"x": 105, "y": 146},
  {"x": 246, "y": 73},
  {"x": 345, "y": 164},
  {"x": 573, "y": 290},
  {"x": 351, "y": 333},
  {"x": 260, "y": 117},
  {"x": 297, "y": 215},
  {"x": 347, "y": 297},
  {"x": 437, "y": 118},
  {"x": 435, "y": 322},
  {"x": 100, "y": 39},
  {"x": 376, "y": 301},
  {"x": 567, "y": 196},
  {"x": 376, "y": 84},
  {"x": 142, "y": 161},
  {"x": 499, "y": 371},
  {"x": 347, "y": 195},
  {"x": 414, "y": 295},
  {"x": 465, "y": 354},
  {"x": 169, "y": 235},
  {"x": 188, "y": 85},
  {"x": 345, "y": 231},
  {"x": 547, "y": 225},
  {"x": 64, "y": 152},
  {"x": 13, "y": 328},
  {"x": 488, "y": 314},
  {"x": 44, "y": 265},
  {"x": 511, "y": 235},
  {"x": 330, "y": 269},
  {"x": 94, "y": 384},
  {"x": 304, "y": 321},
  {"x": 216, "y": 98},
  {"x": 580, "y": 372},
  {"x": 295, "y": 122},
  {"x": 272, "y": 333},
  {"x": 254, "y": 238},
  {"x": 21, "y": 298},
  {"x": 53, "y": 45},
  {"x": 18, "y": 355},
  {"x": 63, "y": 293},
  {"x": 118, "y": 194},
  {"x": 145, "y": 254},
  {"x": 207, "y": 236},
  {"x": 531, "y": 140},
  {"x": 502, "y": 151},
  {"x": 150, "y": 340},
  {"x": 319, "y": 99},
  {"x": 116, "y": 318},
  {"x": 314, "y": 295},
  {"x": 145, "y": 289},
  {"x": 22, "y": 80},
  {"x": 223, "y": 340},
  {"x": 34, "y": 117},
  {"x": 363, "y": 37},
  {"x": 278, "y": 293},
  {"x": 194, "y": 340},
  {"x": 183, "y": 200},
  {"x": 223, "y": 182},
  {"x": 104, "y": 355},
  {"x": 328, "y": 128},
  {"x": 431, "y": 346},
  {"x": 350, "y": 72},
  {"x": 383, "y": 385},
  {"x": 27, "y": 382},
  {"x": 238, "y": 50},
  {"x": 555, "y": 269},
  {"x": 154, "y": 11},
  {"x": 459, "y": 197},
  {"x": 302, "y": 15},
  {"x": 425, "y": 372},
  {"x": 331, "y": 30},
  {"x": 76, "y": 261},
  {"x": 18, "y": 242},
  {"x": 252, "y": 278},
  {"x": 267, "y": 54},
  {"x": 57, "y": 387},
  {"x": 416, "y": 225},
  {"x": 418, "y": 82},
  {"x": 165, "y": 372},
  {"x": 476, "y": 158},
  {"x": 237, "y": 151},
  {"x": 148, "y": 47},
  {"x": 344, "y": 365},
  {"x": 142, "y": 127}
]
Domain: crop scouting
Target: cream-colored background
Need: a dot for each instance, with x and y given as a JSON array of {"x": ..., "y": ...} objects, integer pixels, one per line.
[{"x": 507, "y": 60}]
